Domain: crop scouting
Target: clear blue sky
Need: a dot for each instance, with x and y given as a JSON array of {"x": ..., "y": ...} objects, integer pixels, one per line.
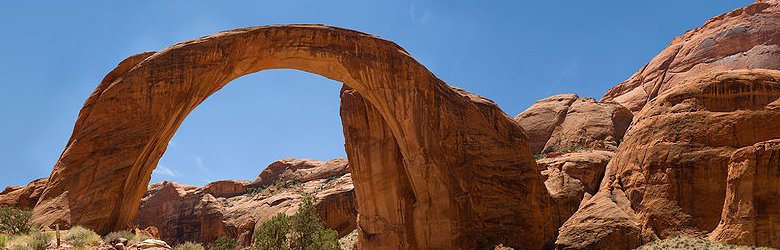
[{"x": 513, "y": 52}]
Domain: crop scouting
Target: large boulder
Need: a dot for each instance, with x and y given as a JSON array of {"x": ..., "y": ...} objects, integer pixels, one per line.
[
  {"x": 670, "y": 175},
  {"x": 565, "y": 122},
  {"x": 201, "y": 214},
  {"x": 745, "y": 38},
  {"x": 23, "y": 196}
]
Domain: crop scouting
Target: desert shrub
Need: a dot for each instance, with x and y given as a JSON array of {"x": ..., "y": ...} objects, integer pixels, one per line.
[
  {"x": 34, "y": 240},
  {"x": 189, "y": 246},
  {"x": 224, "y": 243},
  {"x": 303, "y": 230},
  {"x": 273, "y": 233},
  {"x": 14, "y": 221},
  {"x": 2, "y": 240},
  {"x": 80, "y": 237},
  {"x": 539, "y": 156},
  {"x": 40, "y": 240},
  {"x": 114, "y": 236}
]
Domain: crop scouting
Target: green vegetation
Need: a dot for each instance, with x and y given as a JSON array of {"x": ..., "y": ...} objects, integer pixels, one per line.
[
  {"x": 14, "y": 221},
  {"x": 189, "y": 246},
  {"x": 81, "y": 237},
  {"x": 33, "y": 240},
  {"x": 2, "y": 240},
  {"x": 613, "y": 198},
  {"x": 270, "y": 189},
  {"x": 692, "y": 243},
  {"x": 539, "y": 156},
  {"x": 301, "y": 231},
  {"x": 113, "y": 237},
  {"x": 224, "y": 243}
]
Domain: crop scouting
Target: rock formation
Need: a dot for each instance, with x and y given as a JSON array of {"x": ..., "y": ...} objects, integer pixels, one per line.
[
  {"x": 746, "y": 38},
  {"x": 23, "y": 196},
  {"x": 670, "y": 175},
  {"x": 751, "y": 212},
  {"x": 471, "y": 179},
  {"x": 566, "y": 121},
  {"x": 299, "y": 170},
  {"x": 572, "y": 177},
  {"x": 201, "y": 214}
]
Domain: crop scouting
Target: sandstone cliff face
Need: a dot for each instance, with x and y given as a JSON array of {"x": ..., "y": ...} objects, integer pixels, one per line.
[
  {"x": 23, "y": 196},
  {"x": 572, "y": 177},
  {"x": 465, "y": 161},
  {"x": 745, "y": 38},
  {"x": 566, "y": 121},
  {"x": 299, "y": 170},
  {"x": 670, "y": 175},
  {"x": 201, "y": 214}
]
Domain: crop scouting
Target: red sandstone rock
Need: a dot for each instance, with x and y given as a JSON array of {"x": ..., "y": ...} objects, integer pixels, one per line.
[
  {"x": 201, "y": 214},
  {"x": 672, "y": 169},
  {"x": 472, "y": 179},
  {"x": 751, "y": 212},
  {"x": 23, "y": 196},
  {"x": 300, "y": 170},
  {"x": 563, "y": 122},
  {"x": 745, "y": 38}
]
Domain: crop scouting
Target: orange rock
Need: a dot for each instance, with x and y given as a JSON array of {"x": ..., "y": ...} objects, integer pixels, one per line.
[
  {"x": 570, "y": 177},
  {"x": 465, "y": 160},
  {"x": 564, "y": 122},
  {"x": 672, "y": 168},
  {"x": 202, "y": 214},
  {"x": 745, "y": 38},
  {"x": 751, "y": 213},
  {"x": 300, "y": 170},
  {"x": 23, "y": 196}
]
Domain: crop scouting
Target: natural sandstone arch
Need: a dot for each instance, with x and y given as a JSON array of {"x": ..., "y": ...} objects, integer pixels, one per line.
[{"x": 462, "y": 171}]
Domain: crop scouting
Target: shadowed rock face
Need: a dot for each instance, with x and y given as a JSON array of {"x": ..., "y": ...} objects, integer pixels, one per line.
[
  {"x": 472, "y": 179},
  {"x": 201, "y": 214},
  {"x": 670, "y": 175},
  {"x": 746, "y": 38}
]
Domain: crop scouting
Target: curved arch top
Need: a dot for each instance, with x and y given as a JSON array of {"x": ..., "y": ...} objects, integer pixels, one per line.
[{"x": 472, "y": 178}]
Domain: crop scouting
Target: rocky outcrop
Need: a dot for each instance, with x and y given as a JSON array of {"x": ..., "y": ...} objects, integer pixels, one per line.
[
  {"x": 751, "y": 212},
  {"x": 572, "y": 177},
  {"x": 299, "y": 170},
  {"x": 465, "y": 161},
  {"x": 565, "y": 121},
  {"x": 23, "y": 196},
  {"x": 201, "y": 214},
  {"x": 670, "y": 175},
  {"x": 746, "y": 38}
]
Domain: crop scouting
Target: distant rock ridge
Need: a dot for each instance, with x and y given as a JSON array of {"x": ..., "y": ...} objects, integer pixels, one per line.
[
  {"x": 23, "y": 196},
  {"x": 235, "y": 208}
]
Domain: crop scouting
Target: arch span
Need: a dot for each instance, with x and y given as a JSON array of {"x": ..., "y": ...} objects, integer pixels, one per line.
[{"x": 433, "y": 166}]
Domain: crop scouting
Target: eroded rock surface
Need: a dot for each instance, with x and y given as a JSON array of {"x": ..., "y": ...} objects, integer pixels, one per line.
[
  {"x": 465, "y": 160},
  {"x": 565, "y": 121},
  {"x": 746, "y": 38},
  {"x": 23, "y": 196},
  {"x": 751, "y": 213},
  {"x": 669, "y": 176},
  {"x": 201, "y": 214}
]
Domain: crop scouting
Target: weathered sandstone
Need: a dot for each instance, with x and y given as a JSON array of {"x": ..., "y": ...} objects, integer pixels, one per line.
[
  {"x": 201, "y": 214},
  {"x": 472, "y": 179},
  {"x": 23, "y": 196},
  {"x": 746, "y": 38},
  {"x": 299, "y": 170},
  {"x": 670, "y": 175},
  {"x": 565, "y": 121}
]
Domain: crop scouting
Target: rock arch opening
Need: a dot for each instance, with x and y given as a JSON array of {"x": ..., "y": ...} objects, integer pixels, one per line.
[{"x": 433, "y": 166}]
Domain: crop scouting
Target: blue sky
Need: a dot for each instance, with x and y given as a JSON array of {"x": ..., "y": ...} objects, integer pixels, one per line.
[{"x": 513, "y": 52}]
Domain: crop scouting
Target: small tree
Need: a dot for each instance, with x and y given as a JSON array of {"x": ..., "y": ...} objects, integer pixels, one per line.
[
  {"x": 14, "y": 221},
  {"x": 302, "y": 231},
  {"x": 224, "y": 243}
]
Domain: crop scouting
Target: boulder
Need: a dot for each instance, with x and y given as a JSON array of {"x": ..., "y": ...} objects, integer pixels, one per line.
[{"x": 745, "y": 38}]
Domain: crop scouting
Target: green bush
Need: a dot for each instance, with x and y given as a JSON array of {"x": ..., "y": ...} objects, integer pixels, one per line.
[
  {"x": 82, "y": 237},
  {"x": 224, "y": 243},
  {"x": 14, "y": 221},
  {"x": 40, "y": 240},
  {"x": 2, "y": 241},
  {"x": 189, "y": 246},
  {"x": 273, "y": 233},
  {"x": 304, "y": 230}
]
